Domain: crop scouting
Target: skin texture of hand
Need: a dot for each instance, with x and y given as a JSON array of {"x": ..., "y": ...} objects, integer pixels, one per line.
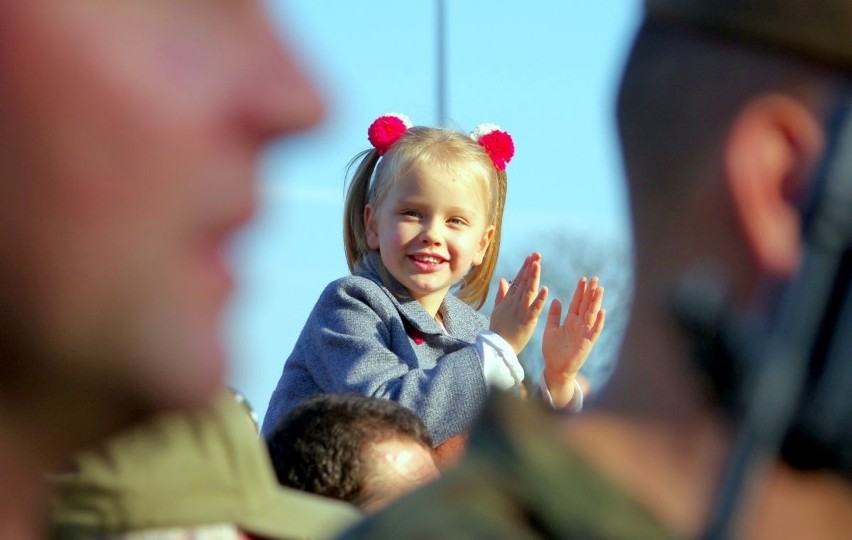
[
  {"x": 566, "y": 344},
  {"x": 518, "y": 305}
]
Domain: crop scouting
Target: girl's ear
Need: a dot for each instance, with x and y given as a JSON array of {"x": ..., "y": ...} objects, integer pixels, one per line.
[
  {"x": 371, "y": 227},
  {"x": 484, "y": 242},
  {"x": 771, "y": 151}
]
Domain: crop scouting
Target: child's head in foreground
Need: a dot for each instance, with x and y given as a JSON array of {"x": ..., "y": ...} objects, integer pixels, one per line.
[{"x": 430, "y": 202}]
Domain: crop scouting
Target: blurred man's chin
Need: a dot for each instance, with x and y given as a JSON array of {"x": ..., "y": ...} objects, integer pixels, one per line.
[{"x": 190, "y": 379}]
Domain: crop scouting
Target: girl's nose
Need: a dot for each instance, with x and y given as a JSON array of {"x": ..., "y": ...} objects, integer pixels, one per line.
[{"x": 431, "y": 234}]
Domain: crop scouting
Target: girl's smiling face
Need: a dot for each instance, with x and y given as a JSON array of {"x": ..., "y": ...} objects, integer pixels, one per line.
[{"x": 430, "y": 228}]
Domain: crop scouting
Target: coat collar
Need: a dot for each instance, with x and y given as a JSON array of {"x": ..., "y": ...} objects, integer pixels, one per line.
[{"x": 461, "y": 320}]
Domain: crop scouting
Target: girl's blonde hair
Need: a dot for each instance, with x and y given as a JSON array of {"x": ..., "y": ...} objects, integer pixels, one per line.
[{"x": 419, "y": 145}]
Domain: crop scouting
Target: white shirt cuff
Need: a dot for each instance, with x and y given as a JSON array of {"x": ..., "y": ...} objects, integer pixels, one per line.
[
  {"x": 573, "y": 406},
  {"x": 500, "y": 365}
]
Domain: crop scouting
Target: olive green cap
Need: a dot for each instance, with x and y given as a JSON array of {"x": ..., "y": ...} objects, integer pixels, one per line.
[
  {"x": 818, "y": 29},
  {"x": 189, "y": 469}
]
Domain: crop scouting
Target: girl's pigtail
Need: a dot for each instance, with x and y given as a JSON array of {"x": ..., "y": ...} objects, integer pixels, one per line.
[
  {"x": 382, "y": 134},
  {"x": 474, "y": 289},
  {"x": 354, "y": 228},
  {"x": 500, "y": 148}
]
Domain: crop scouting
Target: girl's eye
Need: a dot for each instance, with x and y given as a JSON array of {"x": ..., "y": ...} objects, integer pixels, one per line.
[
  {"x": 410, "y": 213},
  {"x": 456, "y": 221}
]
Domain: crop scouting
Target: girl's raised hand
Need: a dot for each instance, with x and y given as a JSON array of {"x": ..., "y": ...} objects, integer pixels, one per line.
[
  {"x": 566, "y": 344},
  {"x": 518, "y": 305}
]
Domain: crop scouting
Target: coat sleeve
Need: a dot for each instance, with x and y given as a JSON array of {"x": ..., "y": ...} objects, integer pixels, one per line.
[{"x": 355, "y": 341}]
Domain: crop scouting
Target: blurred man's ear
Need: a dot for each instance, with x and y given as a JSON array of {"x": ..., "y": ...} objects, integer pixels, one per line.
[{"x": 770, "y": 154}]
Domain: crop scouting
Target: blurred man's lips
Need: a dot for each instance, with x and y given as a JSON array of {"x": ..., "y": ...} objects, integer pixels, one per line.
[
  {"x": 216, "y": 266},
  {"x": 222, "y": 241},
  {"x": 242, "y": 218}
]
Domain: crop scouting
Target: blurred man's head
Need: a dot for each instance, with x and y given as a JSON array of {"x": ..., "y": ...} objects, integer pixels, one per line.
[
  {"x": 129, "y": 135},
  {"x": 722, "y": 112},
  {"x": 703, "y": 120},
  {"x": 725, "y": 114},
  {"x": 363, "y": 450}
]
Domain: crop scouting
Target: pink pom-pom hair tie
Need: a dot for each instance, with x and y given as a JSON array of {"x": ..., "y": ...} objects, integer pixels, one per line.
[
  {"x": 386, "y": 130},
  {"x": 497, "y": 143}
]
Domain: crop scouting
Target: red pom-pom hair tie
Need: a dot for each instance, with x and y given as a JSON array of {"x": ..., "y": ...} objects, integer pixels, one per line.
[
  {"x": 497, "y": 143},
  {"x": 386, "y": 130}
]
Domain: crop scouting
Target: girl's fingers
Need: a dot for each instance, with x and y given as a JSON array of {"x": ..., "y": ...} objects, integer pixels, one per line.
[
  {"x": 519, "y": 283},
  {"x": 586, "y": 299},
  {"x": 525, "y": 288},
  {"x": 502, "y": 289},
  {"x": 533, "y": 281},
  {"x": 538, "y": 303},
  {"x": 599, "y": 295},
  {"x": 522, "y": 271},
  {"x": 599, "y": 325},
  {"x": 554, "y": 314},
  {"x": 595, "y": 308},
  {"x": 574, "y": 307}
]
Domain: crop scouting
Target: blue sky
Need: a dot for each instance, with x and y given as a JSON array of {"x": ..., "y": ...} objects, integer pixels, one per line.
[{"x": 545, "y": 71}]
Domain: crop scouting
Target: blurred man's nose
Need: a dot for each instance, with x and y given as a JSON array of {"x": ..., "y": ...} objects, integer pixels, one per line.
[{"x": 280, "y": 96}]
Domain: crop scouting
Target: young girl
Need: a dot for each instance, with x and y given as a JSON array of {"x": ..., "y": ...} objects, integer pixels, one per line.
[{"x": 423, "y": 215}]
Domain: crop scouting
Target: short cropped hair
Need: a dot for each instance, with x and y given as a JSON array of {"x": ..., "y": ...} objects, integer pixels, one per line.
[{"x": 323, "y": 445}]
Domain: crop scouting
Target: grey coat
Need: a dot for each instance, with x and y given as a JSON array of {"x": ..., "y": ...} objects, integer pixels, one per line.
[{"x": 361, "y": 338}]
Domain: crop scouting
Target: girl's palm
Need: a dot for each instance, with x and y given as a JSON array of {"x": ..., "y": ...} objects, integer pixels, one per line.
[
  {"x": 517, "y": 307},
  {"x": 566, "y": 346}
]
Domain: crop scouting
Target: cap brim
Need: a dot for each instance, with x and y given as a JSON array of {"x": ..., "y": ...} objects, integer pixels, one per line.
[{"x": 291, "y": 513}]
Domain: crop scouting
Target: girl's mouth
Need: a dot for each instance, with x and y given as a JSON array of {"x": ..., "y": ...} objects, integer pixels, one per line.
[{"x": 425, "y": 261}]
